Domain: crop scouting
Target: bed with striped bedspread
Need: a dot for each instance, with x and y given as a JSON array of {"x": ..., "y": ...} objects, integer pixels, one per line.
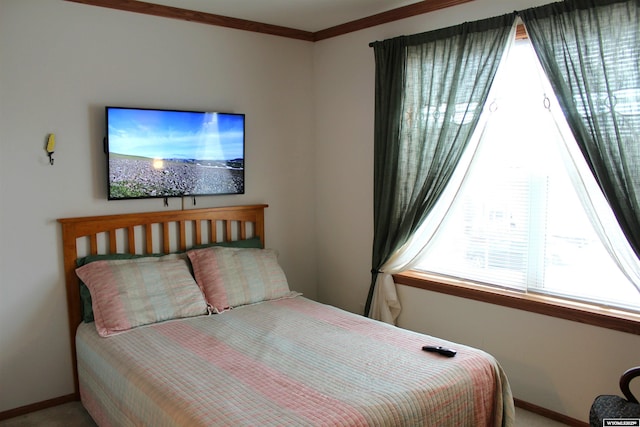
[{"x": 290, "y": 362}]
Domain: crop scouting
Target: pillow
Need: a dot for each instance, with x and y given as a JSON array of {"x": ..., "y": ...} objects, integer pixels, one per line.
[
  {"x": 131, "y": 293},
  {"x": 230, "y": 277},
  {"x": 85, "y": 295}
]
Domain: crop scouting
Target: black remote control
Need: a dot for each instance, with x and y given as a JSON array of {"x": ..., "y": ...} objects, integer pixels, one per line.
[{"x": 440, "y": 350}]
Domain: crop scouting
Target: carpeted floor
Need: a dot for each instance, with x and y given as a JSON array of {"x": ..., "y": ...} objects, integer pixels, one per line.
[
  {"x": 67, "y": 415},
  {"x": 74, "y": 415}
]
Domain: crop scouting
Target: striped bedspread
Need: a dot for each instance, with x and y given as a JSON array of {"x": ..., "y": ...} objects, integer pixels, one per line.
[{"x": 292, "y": 362}]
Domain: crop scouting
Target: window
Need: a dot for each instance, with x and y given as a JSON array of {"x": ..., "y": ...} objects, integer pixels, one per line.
[{"x": 517, "y": 222}]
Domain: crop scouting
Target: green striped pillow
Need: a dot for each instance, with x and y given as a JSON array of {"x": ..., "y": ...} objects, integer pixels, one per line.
[
  {"x": 230, "y": 277},
  {"x": 130, "y": 293}
]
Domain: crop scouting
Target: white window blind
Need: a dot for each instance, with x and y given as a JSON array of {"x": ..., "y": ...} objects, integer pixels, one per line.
[{"x": 517, "y": 221}]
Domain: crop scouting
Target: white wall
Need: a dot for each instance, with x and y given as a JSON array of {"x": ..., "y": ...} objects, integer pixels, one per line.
[
  {"x": 553, "y": 363},
  {"x": 60, "y": 64}
]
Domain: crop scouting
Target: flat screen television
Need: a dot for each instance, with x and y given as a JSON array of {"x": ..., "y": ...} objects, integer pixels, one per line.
[{"x": 154, "y": 153}]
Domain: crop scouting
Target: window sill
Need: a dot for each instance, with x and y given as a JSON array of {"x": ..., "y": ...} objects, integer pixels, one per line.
[{"x": 618, "y": 320}]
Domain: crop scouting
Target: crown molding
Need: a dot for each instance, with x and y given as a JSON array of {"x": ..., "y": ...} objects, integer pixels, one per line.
[
  {"x": 146, "y": 8},
  {"x": 386, "y": 17}
]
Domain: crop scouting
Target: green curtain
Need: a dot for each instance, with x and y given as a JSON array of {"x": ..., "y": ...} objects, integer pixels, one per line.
[
  {"x": 590, "y": 50},
  {"x": 430, "y": 91}
]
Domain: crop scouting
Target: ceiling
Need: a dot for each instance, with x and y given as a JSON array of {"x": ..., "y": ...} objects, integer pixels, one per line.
[{"x": 306, "y": 15}]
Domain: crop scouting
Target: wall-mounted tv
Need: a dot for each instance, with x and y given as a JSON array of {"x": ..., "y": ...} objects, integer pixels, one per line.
[{"x": 154, "y": 153}]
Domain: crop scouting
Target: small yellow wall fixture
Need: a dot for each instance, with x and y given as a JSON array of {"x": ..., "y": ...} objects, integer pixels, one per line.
[{"x": 50, "y": 147}]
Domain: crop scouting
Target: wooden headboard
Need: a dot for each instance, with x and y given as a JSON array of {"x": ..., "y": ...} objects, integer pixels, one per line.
[{"x": 147, "y": 233}]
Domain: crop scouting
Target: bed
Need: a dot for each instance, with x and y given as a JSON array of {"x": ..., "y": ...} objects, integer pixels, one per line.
[{"x": 183, "y": 318}]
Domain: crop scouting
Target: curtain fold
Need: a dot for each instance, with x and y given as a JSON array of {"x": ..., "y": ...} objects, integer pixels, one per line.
[
  {"x": 590, "y": 50},
  {"x": 430, "y": 91},
  {"x": 594, "y": 203}
]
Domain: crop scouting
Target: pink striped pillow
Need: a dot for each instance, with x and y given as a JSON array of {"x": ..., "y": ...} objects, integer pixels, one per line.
[
  {"x": 230, "y": 277},
  {"x": 130, "y": 293}
]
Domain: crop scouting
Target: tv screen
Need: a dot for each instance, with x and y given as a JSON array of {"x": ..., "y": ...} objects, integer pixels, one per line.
[{"x": 172, "y": 153}]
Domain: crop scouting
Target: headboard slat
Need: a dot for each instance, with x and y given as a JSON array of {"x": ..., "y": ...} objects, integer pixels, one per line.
[
  {"x": 131, "y": 239},
  {"x": 183, "y": 236},
  {"x": 113, "y": 244},
  {"x": 213, "y": 227},
  {"x": 229, "y": 235},
  {"x": 90, "y": 227},
  {"x": 198, "y": 232},
  {"x": 166, "y": 244},
  {"x": 243, "y": 230},
  {"x": 148, "y": 234},
  {"x": 93, "y": 244}
]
